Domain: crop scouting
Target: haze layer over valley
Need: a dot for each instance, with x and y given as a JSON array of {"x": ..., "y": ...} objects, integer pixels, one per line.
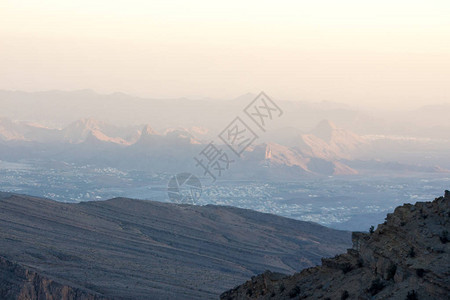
[
  {"x": 255, "y": 134},
  {"x": 315, "y": 162}
]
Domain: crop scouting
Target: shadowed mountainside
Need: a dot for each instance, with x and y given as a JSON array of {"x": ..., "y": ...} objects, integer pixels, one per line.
[{"x": 124, "y": 248}]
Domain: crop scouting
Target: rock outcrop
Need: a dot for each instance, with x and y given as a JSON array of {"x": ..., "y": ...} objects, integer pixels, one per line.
[
  {"x": 406, "y": 257},
  {"x": 17, "y": 282}
]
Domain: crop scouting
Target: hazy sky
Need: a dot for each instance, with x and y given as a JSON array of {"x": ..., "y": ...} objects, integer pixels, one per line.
[{"x": 375, "y": 53}]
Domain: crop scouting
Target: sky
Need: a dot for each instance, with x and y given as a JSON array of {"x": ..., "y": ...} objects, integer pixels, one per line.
[{"x": 378, "y": 54}]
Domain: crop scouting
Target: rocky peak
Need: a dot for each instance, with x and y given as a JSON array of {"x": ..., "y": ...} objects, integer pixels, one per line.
[
  {"x": 406, "y": 257},
  {"x": 324, "y": 130},
  {"x": 148, "y": 130}
]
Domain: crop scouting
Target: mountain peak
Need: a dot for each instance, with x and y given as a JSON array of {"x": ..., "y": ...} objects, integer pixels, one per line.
[
  {"x": 324, "y": 130},
  {"x": 90, "y": 123},
  {"x": 244, "y": 98},
  {"x": 77, "y": 131},
  {"x": 148, "y": 130}
]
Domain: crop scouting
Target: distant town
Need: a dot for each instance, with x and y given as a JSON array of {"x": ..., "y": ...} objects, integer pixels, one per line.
[{"x": 344, "y": 203}]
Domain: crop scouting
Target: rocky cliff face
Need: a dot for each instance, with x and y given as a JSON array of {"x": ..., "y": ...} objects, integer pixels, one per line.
[
  {"x": 21, "y": 283},
  {"x": 406, "y": 257}
]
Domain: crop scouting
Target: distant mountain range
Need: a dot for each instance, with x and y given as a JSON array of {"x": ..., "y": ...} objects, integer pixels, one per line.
[
  {"x": 325, "y": 150},
  {"x": 87, "y": 129},
  {"x": 310, "y": 138},
  {"x": 60, "y": 108},
  {"x": 131, "y": 249}
]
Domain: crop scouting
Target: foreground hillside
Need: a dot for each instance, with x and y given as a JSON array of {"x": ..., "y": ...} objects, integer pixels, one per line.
[
  {"x": 407, "y": 257},
  {"x": 132, "y": 249}
]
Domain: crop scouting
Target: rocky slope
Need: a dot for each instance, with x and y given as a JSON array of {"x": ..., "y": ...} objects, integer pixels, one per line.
[
  {"x": 406, "y": 257},
  {"x": 131, "y": 249},
  {"x": 17, "y": 282}
]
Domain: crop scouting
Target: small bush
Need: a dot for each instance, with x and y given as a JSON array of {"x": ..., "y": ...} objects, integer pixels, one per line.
[
  {"x": 294, "y": 292},
  {"x": 412, "y": 295},
  {"x": 360, "y": 263},
  {"x": 371, "y": 229},
  {"x": 391, "y": 272},
  {"x": 282, "y": 288},
  {"x": 376, "y": 287},
  {"x": 346, "y": 267},
  {"x": 411, "y": 252},
  {"x": 420, "y": 272},
  {"x": 444, "y": 237}
]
